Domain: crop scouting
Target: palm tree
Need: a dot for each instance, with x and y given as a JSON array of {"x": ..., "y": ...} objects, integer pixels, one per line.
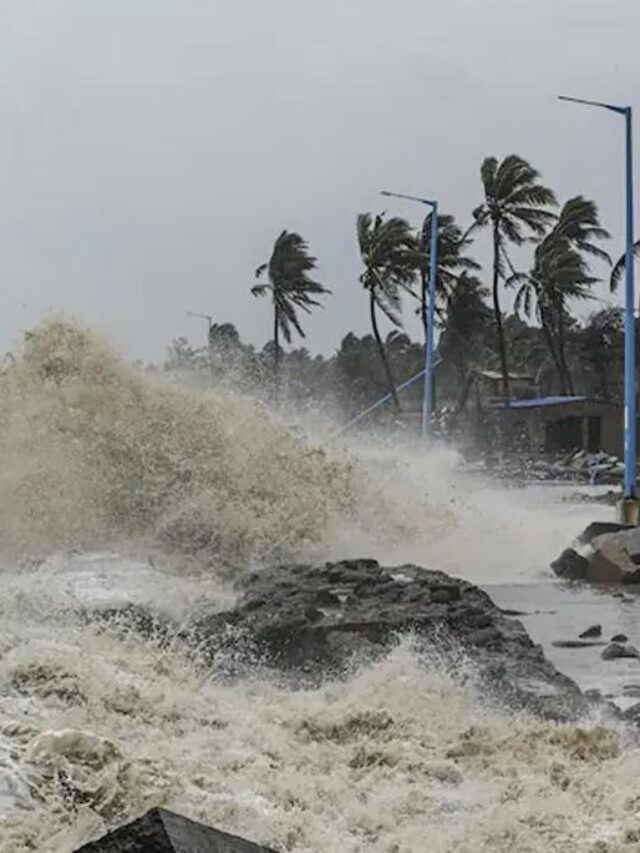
[
  {"x": 388, "y": 249},
  {"x": 579, "y": 224},
  {"x": 290, "y": 287},
  {"x": 452, "y": 244},
  {"x": 465, "y": 322},
  {"x": 620, "y": 265},
  {"x": 515, "y": 204},
  {"x": 561, "y": 274}
]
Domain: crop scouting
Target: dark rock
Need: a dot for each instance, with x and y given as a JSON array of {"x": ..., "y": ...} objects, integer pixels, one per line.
[
  {"x": 276, "y": 621},
  {"x": 576, "y": 644},
  {"x": 590, "y": 633},
  {"x": 619, "y": 638},
  {"x": 618, "y": 650},
  {"x": 570, "y": 565},
  {"x": 601, "y": 528},
  {"x": 610, "y": 563},
  {"x": 160, "y": 831},
  {"x": 604, "y": 552}
]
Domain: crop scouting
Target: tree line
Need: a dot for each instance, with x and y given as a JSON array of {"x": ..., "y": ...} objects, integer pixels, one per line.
[{"x": 542, "y": 251}]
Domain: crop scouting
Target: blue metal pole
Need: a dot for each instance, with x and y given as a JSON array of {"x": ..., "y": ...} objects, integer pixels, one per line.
[
  {"x": 427, "y": 407},
  {"x": 376, "y": 405},
  {"x": 630, "y": 332}
]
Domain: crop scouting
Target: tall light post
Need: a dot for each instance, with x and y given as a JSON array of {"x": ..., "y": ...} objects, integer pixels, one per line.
[
  {"x": 629, "y": 503},
  {"x": 427, "y": 401}
]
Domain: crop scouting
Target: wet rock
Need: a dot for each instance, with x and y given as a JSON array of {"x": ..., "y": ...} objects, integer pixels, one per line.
[
  {"x": 576, "y": 644},
  {"x": 601, "y": 528},
  {"x": 618, "y": 650},
  {"x": 592, "y": 632},
  {"x": 610, "y": 563},
  {"x": 625, "y": 537},
  {"x": 161, "y": 831},
  {"x": 571, "y": 565},
  {"x": 619, "y": 638},
  {"x": 604, "y": 552},
  {"x": 271, "y": 623}
]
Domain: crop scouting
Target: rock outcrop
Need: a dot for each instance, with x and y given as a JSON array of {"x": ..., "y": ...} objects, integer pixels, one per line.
[
  {"x": 161, "y": 831},
  {"x": 312, "y": 620},
  {"x": 603, "y": 553},
  {"x": 592, "y": 632},
  {"x": 615, "y": 651}
]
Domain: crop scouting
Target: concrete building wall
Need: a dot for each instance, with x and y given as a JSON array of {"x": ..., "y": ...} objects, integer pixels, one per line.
[{"x": 549, "y": 429}]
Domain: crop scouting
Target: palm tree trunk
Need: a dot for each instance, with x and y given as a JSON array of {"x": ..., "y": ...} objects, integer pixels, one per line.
[
  {"x": 383, "y": 355},
  {"x": 424, "y": 280},
  {"x": 549, "y": 336},
  {"x": 561, "y": 349},
  {"x": 276, "y": 350},
  {"x": 498, "y": 315}
]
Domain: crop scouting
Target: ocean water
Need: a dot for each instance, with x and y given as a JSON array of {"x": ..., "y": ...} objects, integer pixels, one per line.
[{"x": 117, "y": 487}]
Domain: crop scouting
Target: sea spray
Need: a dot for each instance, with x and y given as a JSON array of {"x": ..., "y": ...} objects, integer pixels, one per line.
[{"x": 94, "y": 452}]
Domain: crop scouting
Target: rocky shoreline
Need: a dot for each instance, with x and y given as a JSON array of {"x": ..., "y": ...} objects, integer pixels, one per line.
[{"x": 306, "y": 622}]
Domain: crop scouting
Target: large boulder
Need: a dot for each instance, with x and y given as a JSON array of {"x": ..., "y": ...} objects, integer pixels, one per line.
[
  {"x": 161, "y": 831},
  {"x": 311, "y": 620},
  {"x": 604, "y": 553},
  {"x": 619, "y": 650}
]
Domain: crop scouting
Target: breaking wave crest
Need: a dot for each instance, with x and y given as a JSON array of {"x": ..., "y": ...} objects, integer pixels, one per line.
[{"x": 94, "y": 452}]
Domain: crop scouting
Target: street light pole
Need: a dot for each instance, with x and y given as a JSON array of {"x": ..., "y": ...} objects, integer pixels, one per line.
[
  {"x": 429, "y": 356},
  {"x": 630, "y": 339},
  {"x": 629, "y": 504}
]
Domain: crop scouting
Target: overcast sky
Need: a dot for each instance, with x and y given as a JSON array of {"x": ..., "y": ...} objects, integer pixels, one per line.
[{"x": 151, "y": 150}]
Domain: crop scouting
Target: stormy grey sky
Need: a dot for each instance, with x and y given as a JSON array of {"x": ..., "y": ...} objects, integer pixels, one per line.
[{"x": 151, "y": 150}]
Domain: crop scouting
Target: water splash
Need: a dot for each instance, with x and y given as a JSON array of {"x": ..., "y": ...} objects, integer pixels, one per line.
[
  {"x": 94, "y": 451},
  {"x": 400, "y": 752}
]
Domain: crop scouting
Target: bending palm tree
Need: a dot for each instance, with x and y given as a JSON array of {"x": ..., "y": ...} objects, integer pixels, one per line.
[
  {"x": 388, "y": 250},
  {"x": 515, "y": 203},
  {"x": 290, "y": 287},
  {"x": 619, "y": 267},
  {"x": 579, "y": 224},
  {"x": 452, "y": 244},
  {"x": 561, "y": 273}
]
